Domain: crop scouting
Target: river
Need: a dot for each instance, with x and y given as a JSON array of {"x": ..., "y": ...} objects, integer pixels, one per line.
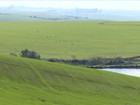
[{"x": 132, "y": 72}]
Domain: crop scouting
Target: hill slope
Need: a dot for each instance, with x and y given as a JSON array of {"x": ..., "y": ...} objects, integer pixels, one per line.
[{"x": 34, "y": 82}]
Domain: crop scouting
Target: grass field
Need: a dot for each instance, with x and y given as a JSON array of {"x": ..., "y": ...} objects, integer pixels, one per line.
[
  {"x": 33, "y": 82},
  {"x": 67, "y": 39}
]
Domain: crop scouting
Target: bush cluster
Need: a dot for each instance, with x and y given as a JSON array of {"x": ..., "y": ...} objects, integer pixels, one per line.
[
  {"x": 92, "y": 61},
  {"x": 29, "y": 54}
]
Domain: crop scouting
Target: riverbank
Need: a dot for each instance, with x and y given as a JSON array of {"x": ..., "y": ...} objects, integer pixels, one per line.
[
  {"x": 99, "y": 63},
  {"x": 115, "y": 67}
]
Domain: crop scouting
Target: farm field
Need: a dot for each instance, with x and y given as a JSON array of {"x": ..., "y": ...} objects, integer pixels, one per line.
[
  {"x": 35, "y": 82},
  {"x": 62, "y": 52},
  {"x": 68, "y": 39}
]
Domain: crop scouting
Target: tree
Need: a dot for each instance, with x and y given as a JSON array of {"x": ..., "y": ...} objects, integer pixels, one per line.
[{"x": 29, "y": 54}]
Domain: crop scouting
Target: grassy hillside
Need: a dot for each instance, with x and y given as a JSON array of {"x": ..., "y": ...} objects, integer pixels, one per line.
[
  {"x": 34, "y": 82},
  {"x": 65, "y": 39}
]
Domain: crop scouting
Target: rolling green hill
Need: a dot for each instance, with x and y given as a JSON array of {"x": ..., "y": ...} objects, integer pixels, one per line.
[
  {"x": 65, "y": 39},
  {"x": 33, "y": 82}
]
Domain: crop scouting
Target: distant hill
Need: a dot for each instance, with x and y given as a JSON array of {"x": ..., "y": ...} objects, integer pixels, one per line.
[
  {"x": 34, "y": 82},
  {"x": 59, "y": 14}
]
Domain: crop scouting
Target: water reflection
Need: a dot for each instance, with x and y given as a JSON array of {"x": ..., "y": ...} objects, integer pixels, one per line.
[{"x": 133, "y": 72}]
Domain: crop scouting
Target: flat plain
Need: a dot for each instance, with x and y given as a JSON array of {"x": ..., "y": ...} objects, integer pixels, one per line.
[{"x": 68, "y": 39}]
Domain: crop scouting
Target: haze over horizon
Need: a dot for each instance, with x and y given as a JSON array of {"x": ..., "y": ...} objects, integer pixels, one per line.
[{"x": 113, "y": 5}]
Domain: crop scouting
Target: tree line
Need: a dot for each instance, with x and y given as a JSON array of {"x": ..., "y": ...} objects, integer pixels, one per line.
[{"x": 97, "y": 62}]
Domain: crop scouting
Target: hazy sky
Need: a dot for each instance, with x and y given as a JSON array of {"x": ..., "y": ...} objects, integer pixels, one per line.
[{"x": 110, "y": 4}]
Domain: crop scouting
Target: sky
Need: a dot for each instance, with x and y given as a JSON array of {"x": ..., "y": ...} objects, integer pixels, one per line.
[{"x": 104, "y": 4}]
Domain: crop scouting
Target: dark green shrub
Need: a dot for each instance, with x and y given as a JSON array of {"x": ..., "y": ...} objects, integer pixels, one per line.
[{"x": 29, "y": 54}]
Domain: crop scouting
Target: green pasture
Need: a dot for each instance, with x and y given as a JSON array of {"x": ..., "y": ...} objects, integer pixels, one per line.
[
  {"x": 71, "y": 39},
  {"x": 34, "y": 82}
]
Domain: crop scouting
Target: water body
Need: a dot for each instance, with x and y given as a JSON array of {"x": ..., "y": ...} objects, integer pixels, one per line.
[{"x": 132, "y": 72}]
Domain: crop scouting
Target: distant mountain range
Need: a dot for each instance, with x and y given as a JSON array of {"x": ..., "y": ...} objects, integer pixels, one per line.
[{"x": 60, "y": 14}]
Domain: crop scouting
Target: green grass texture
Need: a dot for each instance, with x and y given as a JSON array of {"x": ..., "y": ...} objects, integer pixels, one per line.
[
  {"x": 68, "y": 39},
  {"x": 34, "y": 82}
]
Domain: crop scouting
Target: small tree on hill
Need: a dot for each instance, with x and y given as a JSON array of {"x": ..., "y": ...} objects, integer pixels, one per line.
[{"x": 29, "y": 54}]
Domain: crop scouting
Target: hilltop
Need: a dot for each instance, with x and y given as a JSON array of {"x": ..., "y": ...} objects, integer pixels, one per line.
[{"x": 34, "y": 82}]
